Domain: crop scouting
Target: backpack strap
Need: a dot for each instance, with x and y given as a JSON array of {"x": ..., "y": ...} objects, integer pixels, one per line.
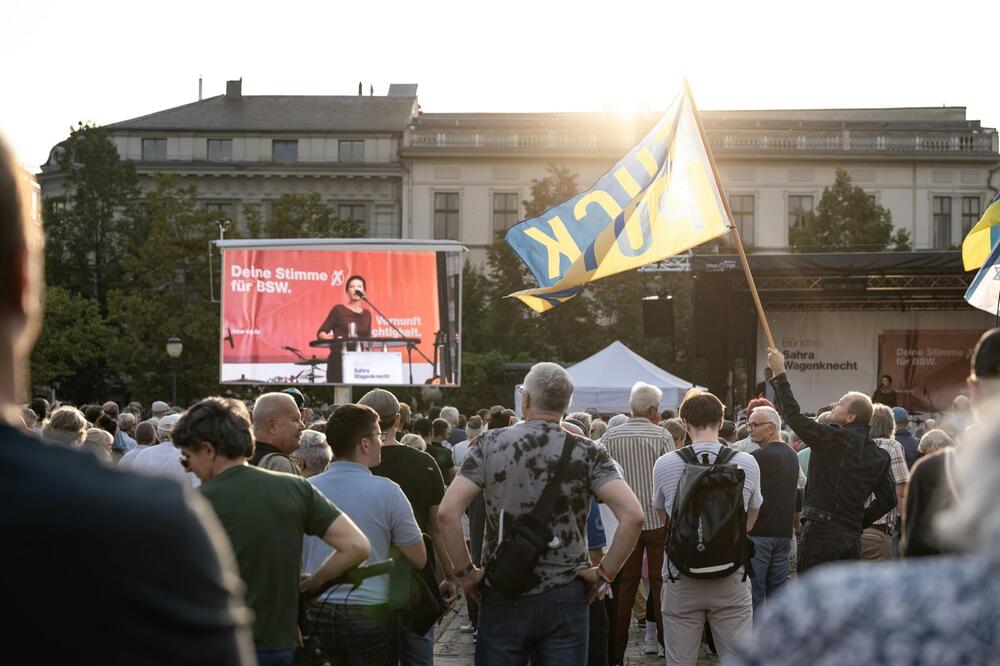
[
  {"x": 542, "y": 510},
  {"x": 725, "y": 455},
  {"x": 688, "y": 455}
]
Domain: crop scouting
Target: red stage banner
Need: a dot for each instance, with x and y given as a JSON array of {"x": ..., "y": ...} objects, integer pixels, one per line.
[
  {"x": 274, "y": 298},
  {"x": 928, "y": 367}
]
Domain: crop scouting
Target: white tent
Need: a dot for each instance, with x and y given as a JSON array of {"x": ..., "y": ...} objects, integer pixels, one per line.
[{"x": 603, "y": 381}]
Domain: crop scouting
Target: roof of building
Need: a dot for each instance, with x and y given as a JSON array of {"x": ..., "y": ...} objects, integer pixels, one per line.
[
  {"x": 292, "y": 113},
  {"x": 907, "y": 118}
]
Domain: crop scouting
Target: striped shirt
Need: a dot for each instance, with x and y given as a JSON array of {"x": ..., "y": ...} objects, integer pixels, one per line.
[
  {"x": 636, "y": 445},
  {"x": 900, "y": 473}
]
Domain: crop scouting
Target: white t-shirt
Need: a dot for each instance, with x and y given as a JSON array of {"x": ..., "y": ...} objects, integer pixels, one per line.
[
  {"x": 667, "y": 474},
  {"x": 163, "y": 460}
]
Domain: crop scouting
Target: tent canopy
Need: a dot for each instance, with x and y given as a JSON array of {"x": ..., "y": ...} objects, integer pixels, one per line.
[{"x": 604, "y": 380}]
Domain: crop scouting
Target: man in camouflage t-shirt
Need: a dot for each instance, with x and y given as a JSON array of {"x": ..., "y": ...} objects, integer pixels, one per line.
[{"x": 512, "y": 466}]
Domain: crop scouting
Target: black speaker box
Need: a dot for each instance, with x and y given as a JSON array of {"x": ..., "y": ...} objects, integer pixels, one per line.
[{"x": 658, "y": 316}]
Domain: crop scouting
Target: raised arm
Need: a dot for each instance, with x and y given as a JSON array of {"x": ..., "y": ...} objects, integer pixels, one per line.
[{"x": 811, "y": 432}]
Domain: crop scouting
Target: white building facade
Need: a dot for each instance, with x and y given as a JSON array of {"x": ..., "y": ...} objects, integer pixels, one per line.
[{"x": 409, "y": 174}]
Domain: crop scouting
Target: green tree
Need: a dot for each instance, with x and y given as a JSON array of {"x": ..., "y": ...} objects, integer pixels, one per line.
[
  {"x": 91, "y": 228},
  {"x": 301, "y": 216},
  {"x": 71, "y": 349},
  {"x": 168, "y": 294},
  {"x": 847, "y": 219}
]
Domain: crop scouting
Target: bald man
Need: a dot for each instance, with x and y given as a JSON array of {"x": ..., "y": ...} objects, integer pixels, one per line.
[{"x": 277, "y": 424}]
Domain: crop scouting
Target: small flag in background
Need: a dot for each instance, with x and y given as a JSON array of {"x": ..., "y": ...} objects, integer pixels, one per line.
[
  {"x": 984, "y": 292},
  {"x": 983, "y": 237},
  {"x": 660, "y": 199}
]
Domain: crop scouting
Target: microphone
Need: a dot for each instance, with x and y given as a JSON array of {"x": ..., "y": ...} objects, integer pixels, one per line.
[
  {"x": 291, "y": 349},
  {"x": 359, "y": 292}
]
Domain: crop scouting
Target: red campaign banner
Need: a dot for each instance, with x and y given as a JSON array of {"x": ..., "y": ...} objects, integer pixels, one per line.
[
  {"x": 279, "y": 298},
  {"x": 928, "y": 367}
]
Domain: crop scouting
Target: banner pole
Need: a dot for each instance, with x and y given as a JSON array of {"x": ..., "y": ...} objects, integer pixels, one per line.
[{"x": 732, "y": 223}]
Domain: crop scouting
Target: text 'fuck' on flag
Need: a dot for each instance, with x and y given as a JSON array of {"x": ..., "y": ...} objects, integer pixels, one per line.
[{"x": 662, "y": 198}]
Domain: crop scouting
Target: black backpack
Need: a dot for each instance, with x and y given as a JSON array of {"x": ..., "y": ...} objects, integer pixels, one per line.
[{"x": 707, "y": 535}]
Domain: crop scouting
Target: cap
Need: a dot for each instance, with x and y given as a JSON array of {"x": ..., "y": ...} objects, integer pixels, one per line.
[
  {"x": 167, "y": 423},
  {"x": 300, "y": 400},
  {"x": 986, "y": 357},
  {"x": 383, "y": 402},
  {"x": 159, "y": 407},
  {"x": 900, "y": 415},
  {"x": 593, "y": 412},
  {"x": 728, "y": 429}
]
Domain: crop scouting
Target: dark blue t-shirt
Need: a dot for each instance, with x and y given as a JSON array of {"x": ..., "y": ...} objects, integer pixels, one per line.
[{"x": 107, "y": 566}]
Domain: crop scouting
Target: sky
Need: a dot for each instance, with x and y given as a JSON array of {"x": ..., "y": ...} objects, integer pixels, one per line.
[{"x": 103, "y": 61}]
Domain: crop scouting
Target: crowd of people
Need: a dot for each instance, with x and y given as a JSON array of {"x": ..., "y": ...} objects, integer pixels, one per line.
[{"x": 235, "y": 533}]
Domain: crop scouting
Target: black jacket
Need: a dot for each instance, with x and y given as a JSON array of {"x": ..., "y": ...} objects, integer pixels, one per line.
[{"x": 845, "y": 467}]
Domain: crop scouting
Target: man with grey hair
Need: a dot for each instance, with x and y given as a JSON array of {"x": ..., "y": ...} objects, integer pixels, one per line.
[
  {"x": 512, "y": 466},
  {"x": 277, "y": 425},
  {"x": 456, "y": 434},
  {"x": 419, "y": 477},
  {"x": 313, "y": 455},
  {"x": 932, "y": 441},
  {"x": 775, "y": 527},
  {"x": 636, "y": 445},
  {"x": 122, "y": 441}
]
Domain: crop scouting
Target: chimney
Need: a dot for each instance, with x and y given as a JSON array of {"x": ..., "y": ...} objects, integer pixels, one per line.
[
  {"x": 234, "y": 89},
  {"x": 199, "y": 87}
]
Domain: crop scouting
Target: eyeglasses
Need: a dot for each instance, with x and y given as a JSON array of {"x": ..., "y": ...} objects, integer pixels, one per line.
[{"x": 753, "y": 426}]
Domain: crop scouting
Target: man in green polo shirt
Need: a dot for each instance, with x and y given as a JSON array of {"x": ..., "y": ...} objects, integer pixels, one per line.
[{"x": 266, "y": 514}]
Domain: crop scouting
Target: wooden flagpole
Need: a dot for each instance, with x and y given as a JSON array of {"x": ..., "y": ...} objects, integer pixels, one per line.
[{"x": 732, "y": 224}]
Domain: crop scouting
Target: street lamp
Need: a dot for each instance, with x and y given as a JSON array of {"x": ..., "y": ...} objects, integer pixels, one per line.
[{"x": 174, "y": 349}]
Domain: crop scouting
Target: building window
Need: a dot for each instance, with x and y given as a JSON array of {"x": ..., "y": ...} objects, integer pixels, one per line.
[
  {"x": 446, "y": 215},
  {"x": 221, "y": 211},
  {"x": 970, "y": 213},
  {"x": 506, "y": 210},
  {"x": 285, "y": 151},
  {"x": 351, "y": 151},
  {"x": 742, "y": 208},
  {"x": 941, "y": 229},
  {"x": 154, "y": 150},
  {"x": 798, "y": 206},
  {"x": 351, "y": 213},
  {"x": 220, "y": 150},
  {"x": 386, "y": 225}
]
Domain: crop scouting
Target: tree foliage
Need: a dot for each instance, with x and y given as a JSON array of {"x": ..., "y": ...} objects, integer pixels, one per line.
[
  {"x": 91, "y": 228},
  {"x": 167, "y": 295},
  {"x": 847, "y": 219},
  {"x": 74, "y": 343}
]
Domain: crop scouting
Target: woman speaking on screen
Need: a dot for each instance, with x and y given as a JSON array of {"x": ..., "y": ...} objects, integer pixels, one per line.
[{"x": 345, "y": 322}]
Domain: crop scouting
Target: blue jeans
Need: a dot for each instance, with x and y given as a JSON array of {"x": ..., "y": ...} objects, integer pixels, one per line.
[
  {"x": 770, "y": 566},
  {"x": 415, "y": 650},
  {"x": 553, "y": 627},
  {"x": 274, "y": 656}
]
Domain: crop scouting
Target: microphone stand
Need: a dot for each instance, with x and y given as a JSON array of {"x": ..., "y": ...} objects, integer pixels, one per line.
[{"x": 409, "y": 345}]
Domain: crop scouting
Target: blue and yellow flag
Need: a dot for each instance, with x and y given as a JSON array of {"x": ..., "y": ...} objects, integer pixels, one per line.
[
  {"x": 660, "y": 199},
  {"x": 983, "y": 237}
]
